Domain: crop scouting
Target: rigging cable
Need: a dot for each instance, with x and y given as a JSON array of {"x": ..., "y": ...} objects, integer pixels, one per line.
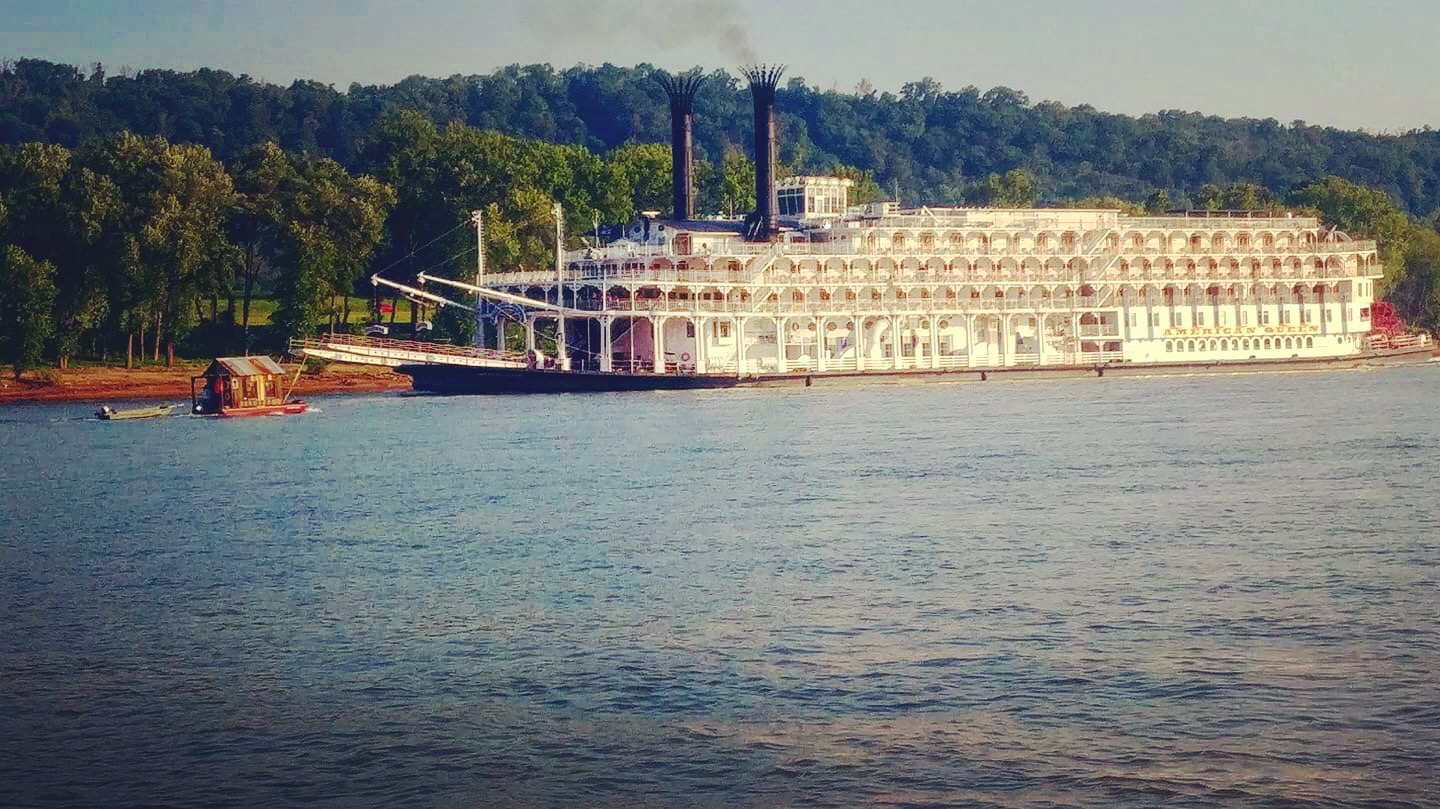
[{"x": 412, "y": 253}]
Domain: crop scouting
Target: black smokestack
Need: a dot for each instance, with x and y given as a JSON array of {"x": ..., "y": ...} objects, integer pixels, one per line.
[
  {"x": 681, "y": 90},
  {"x": 763, "y": 81}
]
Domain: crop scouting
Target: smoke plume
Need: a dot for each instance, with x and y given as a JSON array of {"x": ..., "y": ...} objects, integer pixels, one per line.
[{"x": 640, "y": 30}]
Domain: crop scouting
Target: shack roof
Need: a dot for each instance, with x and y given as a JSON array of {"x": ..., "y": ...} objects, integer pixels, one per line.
[{"x": 244, "y": 366}]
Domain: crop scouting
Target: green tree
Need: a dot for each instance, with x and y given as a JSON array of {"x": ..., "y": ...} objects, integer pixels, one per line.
[
  {"x": 1014, "y": 189},
  {"x": 1415, "y": 291},
  {"x": 864, "y": 190},
  {"x": 1247, "y": 197},
  {"x": 1409, "y": 250},
  {"x": 728, "y": 188},
  {"x": 333, "y": 223},
  {"x": 1363, "y": 213},
  {"x": 60, "y": 211},
  {"x": 27, "y": 297},
  {"x": 171, "y": 249},
  {"x": 1207, "y": 196},
  {"x": 257, "y": 222},
  {"x": 643, "y": 169},
  {"x": 402, "y": 152}
]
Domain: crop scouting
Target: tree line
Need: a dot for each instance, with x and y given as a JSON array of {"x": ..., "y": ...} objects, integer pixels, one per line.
[
  {"x": 926, "y": 142},
  {"x": 129, "y": 243}
]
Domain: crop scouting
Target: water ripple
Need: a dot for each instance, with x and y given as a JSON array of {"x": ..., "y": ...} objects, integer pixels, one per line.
[{"x": 1181, "y": 592}]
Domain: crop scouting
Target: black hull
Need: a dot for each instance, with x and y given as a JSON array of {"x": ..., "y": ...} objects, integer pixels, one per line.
[
  {"x": 470, "y": 380},
  {"x": 458, "y": 379}
]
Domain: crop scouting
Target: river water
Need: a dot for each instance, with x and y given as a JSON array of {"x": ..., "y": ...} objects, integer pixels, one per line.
[{"x": 1207, "y": 591}]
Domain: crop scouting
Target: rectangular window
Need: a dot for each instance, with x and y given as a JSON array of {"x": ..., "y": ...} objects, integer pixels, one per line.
[
  {"x": 1199, "y": 318},
  {"x": 1327, "y": 315},
  {"x": 1155, "y": 319},
  {"x": 722, "y": 329},
  {"x": 1134, "y": 318},
  {"x": 1244, "y": 318},
  {"x": 1265, "y": 318},
  {"x": 1365, "y": 313}
]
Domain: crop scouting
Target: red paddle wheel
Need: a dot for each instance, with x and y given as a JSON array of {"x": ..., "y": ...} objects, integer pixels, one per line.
[
  {"x": 1387, "y": 331},
  {"x": 1384, "y": 320}
]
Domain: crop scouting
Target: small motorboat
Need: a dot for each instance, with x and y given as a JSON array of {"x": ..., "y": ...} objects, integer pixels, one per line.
[{"x": 108, "y": 413}]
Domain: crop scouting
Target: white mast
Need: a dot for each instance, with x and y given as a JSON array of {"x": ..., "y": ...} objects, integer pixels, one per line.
[
  {"x": 478, "y": 218},
  {"x": 561, "y": 356}
]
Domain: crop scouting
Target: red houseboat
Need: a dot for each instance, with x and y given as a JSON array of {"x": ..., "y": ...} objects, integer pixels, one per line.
[{"x": 243, "y": 386}]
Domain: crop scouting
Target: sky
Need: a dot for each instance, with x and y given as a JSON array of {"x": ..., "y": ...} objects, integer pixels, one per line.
[{"x": 1368, "y": 64}]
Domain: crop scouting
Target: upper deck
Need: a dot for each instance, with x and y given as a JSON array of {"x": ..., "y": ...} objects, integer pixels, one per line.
[{"x": 881, "y": 243}]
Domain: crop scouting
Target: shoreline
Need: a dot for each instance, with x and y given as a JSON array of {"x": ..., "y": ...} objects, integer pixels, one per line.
[{"x": 106, "y": 383}]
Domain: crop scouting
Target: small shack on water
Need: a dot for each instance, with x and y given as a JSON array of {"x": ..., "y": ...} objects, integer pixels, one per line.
[{"x": 239, "y": 383}]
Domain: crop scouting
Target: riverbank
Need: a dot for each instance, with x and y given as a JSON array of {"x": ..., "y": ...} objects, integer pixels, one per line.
[{"x": 103, "y": 383}]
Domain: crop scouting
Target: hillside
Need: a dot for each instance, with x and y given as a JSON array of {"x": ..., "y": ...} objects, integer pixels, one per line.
[{"x": 927, "y": 142}]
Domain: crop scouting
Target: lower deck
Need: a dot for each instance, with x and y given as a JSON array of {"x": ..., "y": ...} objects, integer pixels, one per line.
[
  {"x": 760, "y": 346},
  {"x": 455, "y": 379}
]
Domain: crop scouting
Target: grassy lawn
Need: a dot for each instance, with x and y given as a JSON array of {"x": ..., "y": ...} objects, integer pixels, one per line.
[{"x": 261, "y": 310}]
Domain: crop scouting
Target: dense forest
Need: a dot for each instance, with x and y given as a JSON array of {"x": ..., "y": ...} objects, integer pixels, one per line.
[
  {"x": 160, "y": 202},
  {"x": 927, "y": 141}
]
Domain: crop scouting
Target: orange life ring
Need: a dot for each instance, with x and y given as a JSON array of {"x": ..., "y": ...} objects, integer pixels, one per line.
[{"x": 685, "y": 356}]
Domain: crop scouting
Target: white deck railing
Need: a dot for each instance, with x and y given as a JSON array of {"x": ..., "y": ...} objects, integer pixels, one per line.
[{"x": 385, "y": 351}]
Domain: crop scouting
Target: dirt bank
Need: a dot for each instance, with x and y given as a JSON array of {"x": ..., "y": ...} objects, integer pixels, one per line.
[{"x": 89, "y": 384}]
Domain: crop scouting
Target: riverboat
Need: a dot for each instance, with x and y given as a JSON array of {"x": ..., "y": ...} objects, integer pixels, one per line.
[
  {"x": 811, "y": 288},
  {"x": 243, "y": 386}
]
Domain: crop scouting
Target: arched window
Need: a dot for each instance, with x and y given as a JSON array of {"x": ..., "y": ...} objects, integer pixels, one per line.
[
  {"x": 1267, "y": 343},
  {"x": 1309, "y": 342},
  {"x": 1287, "y": 343},
  {"x": 1234, "y": 345},
  {"x": 1190, "y": 346},
  {"x": 1169, "y": 346}
]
